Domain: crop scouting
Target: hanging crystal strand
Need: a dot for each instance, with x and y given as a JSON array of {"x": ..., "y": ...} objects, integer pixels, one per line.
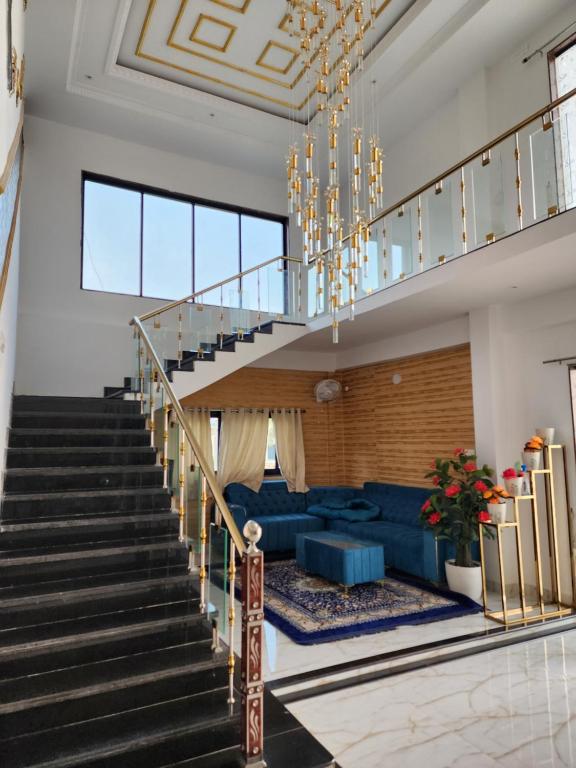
[
  {"x": 319, "y": 287},
  {"x": 231, "y": 621},
  {"x": 384, "y": 255},
  {"x": 203, "y": 540},
  {"x": 166, "y": 410},
  {"x": 221, "y": 317},
  {"x": 365, "y": 241},
  {"x": 181, "y": 480}
]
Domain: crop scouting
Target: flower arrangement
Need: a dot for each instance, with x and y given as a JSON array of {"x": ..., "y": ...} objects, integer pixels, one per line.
[
  {"x": 535, "y": 443},
  {"x": 460, "y": 502},
  {"x": 512, "y": 472}
]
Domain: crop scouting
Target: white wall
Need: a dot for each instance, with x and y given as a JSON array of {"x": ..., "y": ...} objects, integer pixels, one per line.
[{"x": 74, "y": 342}]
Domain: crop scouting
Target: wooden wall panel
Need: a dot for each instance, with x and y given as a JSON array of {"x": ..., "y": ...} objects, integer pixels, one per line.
[
  {"x": 377, "y": 430},
  {"x": 273, "y": 388},
  {"x": 391, "y": 432}
]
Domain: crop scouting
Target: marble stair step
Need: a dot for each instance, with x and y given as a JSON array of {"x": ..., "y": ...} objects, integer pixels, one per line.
[
  {"x": 77, "y": 438},
  {"x": 83, "y": 603},
  {"x": 78, "y": 420},
  {"x": 22, "y": 458},
  {"x": 58, "y": 479},
  {"x": 27, "y": 569},
  {"x": 140, "y": 639},
  {"x": 29, "y": 641},
  {"x": 20, "y": 506},
  {"x": 35, "y": 534},
  {"x": 141, "y": 737},
  {"x": 76, "y": 697},
  {"x": 25, "y": 403}
]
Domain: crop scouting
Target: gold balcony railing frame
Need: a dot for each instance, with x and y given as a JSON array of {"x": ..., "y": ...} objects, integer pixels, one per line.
[{"x": 547, "y": 110}]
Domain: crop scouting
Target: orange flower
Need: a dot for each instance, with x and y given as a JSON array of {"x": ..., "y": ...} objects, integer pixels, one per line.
[{"x": 487, "y": 494}]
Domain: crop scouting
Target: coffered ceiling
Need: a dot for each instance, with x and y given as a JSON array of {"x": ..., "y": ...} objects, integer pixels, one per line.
[{"x": 240, "y": 50}]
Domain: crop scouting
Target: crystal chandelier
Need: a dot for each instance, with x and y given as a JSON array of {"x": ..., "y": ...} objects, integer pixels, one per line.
[{"x": 331, "y": 36}]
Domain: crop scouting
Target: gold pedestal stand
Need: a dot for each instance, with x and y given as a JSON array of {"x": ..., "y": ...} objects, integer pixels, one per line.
[{"x": 557, "y": 604}]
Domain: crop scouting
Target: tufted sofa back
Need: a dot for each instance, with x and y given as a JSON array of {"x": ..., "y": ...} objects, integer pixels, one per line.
[
  {"x": 398, "y": 503},
  {"x": 272, "y": 499},
  {"x": 321, "y": 493}
]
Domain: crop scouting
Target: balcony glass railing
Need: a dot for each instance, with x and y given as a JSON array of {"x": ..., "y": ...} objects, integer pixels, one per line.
[{"x": 523, "y": 177}]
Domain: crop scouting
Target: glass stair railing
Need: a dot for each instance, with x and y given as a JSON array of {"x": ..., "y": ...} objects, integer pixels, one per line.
[{"x": 525, "y": 176}]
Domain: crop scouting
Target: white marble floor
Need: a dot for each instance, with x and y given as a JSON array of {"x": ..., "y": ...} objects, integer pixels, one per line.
[
  {"x": 283, "y": 657},
  {"x": 513, "y": 707}
]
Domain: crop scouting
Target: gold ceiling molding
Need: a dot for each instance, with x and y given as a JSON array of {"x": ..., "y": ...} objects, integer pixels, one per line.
[
  {"x": 203, "y": 21},
  {"x": 242, "y": 8},
  {"x": 271, "y": 45},
  {"x": 5, "y": 175},
  {"x": 238, "y": 88},
  {"x": 283, "y": 26},
  {"x": 199, "y": 54}
]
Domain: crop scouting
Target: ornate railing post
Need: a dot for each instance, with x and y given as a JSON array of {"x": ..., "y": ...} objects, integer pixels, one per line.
[{"x": 252, "y": 685}]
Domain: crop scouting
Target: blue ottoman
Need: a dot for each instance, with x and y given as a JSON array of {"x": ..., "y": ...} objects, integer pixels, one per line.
[{"x": 339, "y": 557}]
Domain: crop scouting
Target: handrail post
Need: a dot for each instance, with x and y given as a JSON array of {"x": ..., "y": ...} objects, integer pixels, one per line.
[{"x": 252, "y": 685}]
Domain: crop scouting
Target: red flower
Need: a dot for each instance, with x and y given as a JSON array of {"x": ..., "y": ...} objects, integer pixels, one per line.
[
  {"x": 479, "y": 485},
  {"x": 484, "y": 517},
  {"x": 426, "y": 505},
  {"x": 510, "y": 472},
  {"x": 436, "y": 480},
  {"x": 470, "y": 466},
  {"x": 434, "y": 518},
  {"x": 458, "y": 451},
  {"x": 433, "y": 465},
  {"x": 452, "y": 490}
]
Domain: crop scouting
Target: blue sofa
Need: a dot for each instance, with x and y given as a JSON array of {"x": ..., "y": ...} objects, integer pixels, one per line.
[{"x": 408, "y": 547}]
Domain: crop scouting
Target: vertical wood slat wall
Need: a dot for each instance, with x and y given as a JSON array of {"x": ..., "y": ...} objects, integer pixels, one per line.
[{"x": 377, "y": 430}]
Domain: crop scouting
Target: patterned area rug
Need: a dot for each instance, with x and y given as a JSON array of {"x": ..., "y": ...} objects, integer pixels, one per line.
[{"x": 310, "y": 609}]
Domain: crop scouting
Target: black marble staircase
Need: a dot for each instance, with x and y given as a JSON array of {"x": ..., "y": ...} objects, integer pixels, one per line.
[{"x": 105, "y": 659}]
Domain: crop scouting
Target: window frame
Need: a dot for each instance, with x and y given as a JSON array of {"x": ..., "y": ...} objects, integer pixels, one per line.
[
  {"x": 145, "y": 189},
  {"x": 553, "y": 54},
  {"x": 275, "y": 472}
]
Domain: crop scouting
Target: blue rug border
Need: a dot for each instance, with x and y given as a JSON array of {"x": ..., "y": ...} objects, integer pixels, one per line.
[{"x": 465, "y": 607}]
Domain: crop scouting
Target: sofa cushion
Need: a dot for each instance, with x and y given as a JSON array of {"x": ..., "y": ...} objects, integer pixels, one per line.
[
  {"x": 273, "y": 498},
  {"x": 362, "y": 514},
  {"x": 332, "y": 493},
  {"x": 398, "y": 503}
]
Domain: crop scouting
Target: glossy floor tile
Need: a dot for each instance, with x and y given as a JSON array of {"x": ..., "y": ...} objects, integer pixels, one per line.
[{"x": 514, "y": 707}]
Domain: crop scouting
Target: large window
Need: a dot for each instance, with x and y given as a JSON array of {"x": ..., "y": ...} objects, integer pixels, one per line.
[
  {"x": 146, "y": 242},
  {"x": 562, "y": 60}
]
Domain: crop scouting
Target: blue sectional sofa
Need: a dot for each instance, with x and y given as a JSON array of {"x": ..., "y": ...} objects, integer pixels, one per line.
[{"x": 407, "y": 546}]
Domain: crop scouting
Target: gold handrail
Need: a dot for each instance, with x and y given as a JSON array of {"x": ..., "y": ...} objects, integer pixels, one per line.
[
  {"x": 478, "y": 153},
  {"x": 200, "y": 458},
  {"x": 239, "y": 275}
]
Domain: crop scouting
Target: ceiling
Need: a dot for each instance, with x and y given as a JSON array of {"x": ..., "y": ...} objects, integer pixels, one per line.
[{"x": 199, "y": 77}]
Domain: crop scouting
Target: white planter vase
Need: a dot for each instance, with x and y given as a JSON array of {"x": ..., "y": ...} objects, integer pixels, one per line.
[
  {"x": 532, "y": 459},
  {"x": 547, "y": 434},
  {"x": 466, "y": 581},
  {"x": 498, "y": 512},
  {"x": 514, "y": 485}
]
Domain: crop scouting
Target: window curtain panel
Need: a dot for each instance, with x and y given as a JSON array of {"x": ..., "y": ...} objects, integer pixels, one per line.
[
  {"x": 290, "y": 448},
  {"x": 242, "y": 454}
]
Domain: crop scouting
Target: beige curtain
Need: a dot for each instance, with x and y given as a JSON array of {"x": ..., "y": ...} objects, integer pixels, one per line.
[
  {"x": 242, "y": 453},
  {"x": 198, "y": 419},
  {"x": 290, "y": 448}
]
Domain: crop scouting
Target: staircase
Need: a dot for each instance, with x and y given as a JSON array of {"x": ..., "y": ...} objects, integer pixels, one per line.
[
  {"x": 214, "y": 360},
  {"x": 105, "y": 659}
]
